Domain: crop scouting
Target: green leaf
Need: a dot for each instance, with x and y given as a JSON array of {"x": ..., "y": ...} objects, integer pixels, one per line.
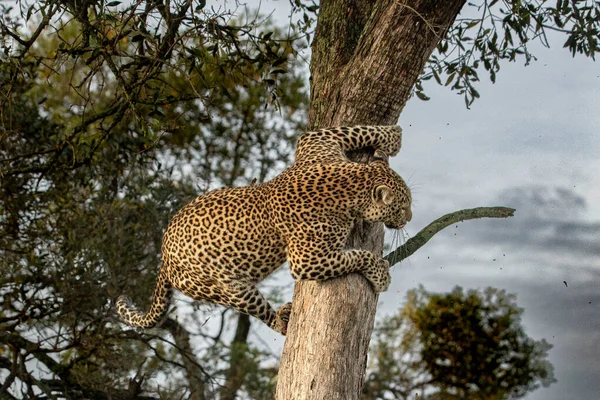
[
  {"x": 437, "y": 77},
  {"x": 422, "y": 96},
  {"x": 113, "y": 3},
  {"x": 156, "y": 113},
  {"x": 473, "y": 23},
  {"x": 29, "y": 10},
  {"x": 443, "y": 46}
]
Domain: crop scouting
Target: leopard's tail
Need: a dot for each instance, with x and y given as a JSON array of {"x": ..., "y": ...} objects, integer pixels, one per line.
[{"x": 158, "y": 309}]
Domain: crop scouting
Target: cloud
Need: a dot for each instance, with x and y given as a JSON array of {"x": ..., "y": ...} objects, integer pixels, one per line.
[
  {"x": 547, "y": 220},
  {"x": 540, "y": 202},
  {"x": 548, "y": 242}
]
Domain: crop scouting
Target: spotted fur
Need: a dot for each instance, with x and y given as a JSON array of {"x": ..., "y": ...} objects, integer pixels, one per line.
[{"x": 222, "y": 244}]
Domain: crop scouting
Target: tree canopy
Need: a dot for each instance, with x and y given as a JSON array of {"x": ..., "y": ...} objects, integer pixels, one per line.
[
  {"x": 94, "y": 160},
  {"x": 491, "y": 31},
  {"x": 458, "y": 345}
]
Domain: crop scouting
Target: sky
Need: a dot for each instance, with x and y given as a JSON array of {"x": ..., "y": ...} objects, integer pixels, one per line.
[{"x": 531, "y": 142}]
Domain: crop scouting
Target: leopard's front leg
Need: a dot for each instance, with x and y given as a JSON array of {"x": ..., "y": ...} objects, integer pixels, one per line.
[{"x": 318, "y": 261}]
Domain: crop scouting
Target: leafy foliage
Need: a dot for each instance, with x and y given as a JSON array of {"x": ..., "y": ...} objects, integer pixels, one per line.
[
  {"x": 457, "y": 345},
  {"x": 491, "y": 31},
  {"x": 137, "y": 50},
  {"x": 103, "y": 136}
]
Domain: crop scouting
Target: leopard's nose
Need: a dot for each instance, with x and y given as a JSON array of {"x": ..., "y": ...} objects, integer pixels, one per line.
[{"x": 407, "y": 214}]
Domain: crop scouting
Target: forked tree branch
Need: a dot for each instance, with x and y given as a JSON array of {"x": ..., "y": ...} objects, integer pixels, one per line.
[{"x": 416, "y": 242}]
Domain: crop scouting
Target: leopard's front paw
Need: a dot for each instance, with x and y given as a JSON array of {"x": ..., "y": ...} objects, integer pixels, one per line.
[
  {"x": 282, "y": 317},
  {"x": 380, "y": 276},
  {"x": 393, "y": 146}
]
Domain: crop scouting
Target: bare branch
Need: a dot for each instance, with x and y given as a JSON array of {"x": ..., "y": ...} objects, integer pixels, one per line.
[{"x": 416, "y": 242}]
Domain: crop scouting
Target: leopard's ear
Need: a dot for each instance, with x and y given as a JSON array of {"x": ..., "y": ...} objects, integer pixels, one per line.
[{"x": 383, "y": 195}]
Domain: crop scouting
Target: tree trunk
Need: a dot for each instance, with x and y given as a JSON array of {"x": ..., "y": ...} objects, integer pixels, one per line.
[
  {"x": 237, "y": 364},
  {"x": 193, "y": 371},
  {"x": 366, "y": 57}
]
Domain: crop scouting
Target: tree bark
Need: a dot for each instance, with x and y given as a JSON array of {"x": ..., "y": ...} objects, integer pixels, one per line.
[{"x": 366, "y": 57}]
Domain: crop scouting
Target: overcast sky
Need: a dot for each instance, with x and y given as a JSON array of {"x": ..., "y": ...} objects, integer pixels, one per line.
[{"x": 531, "y": 142}]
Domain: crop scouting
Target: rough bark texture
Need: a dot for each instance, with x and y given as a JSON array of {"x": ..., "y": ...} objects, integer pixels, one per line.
[{"x": 366, "y": 57}]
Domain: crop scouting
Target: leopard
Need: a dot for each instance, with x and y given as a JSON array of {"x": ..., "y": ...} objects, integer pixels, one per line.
[{"x": 221, "y": 245}]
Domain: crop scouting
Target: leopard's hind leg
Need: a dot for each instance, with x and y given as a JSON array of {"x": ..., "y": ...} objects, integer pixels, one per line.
[
  {"x": 242, "y": 296},
  {"x": 249, "y": 300}
]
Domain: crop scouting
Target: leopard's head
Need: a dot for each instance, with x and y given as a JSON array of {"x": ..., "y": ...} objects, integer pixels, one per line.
[{"x": 389, "y": 197}]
